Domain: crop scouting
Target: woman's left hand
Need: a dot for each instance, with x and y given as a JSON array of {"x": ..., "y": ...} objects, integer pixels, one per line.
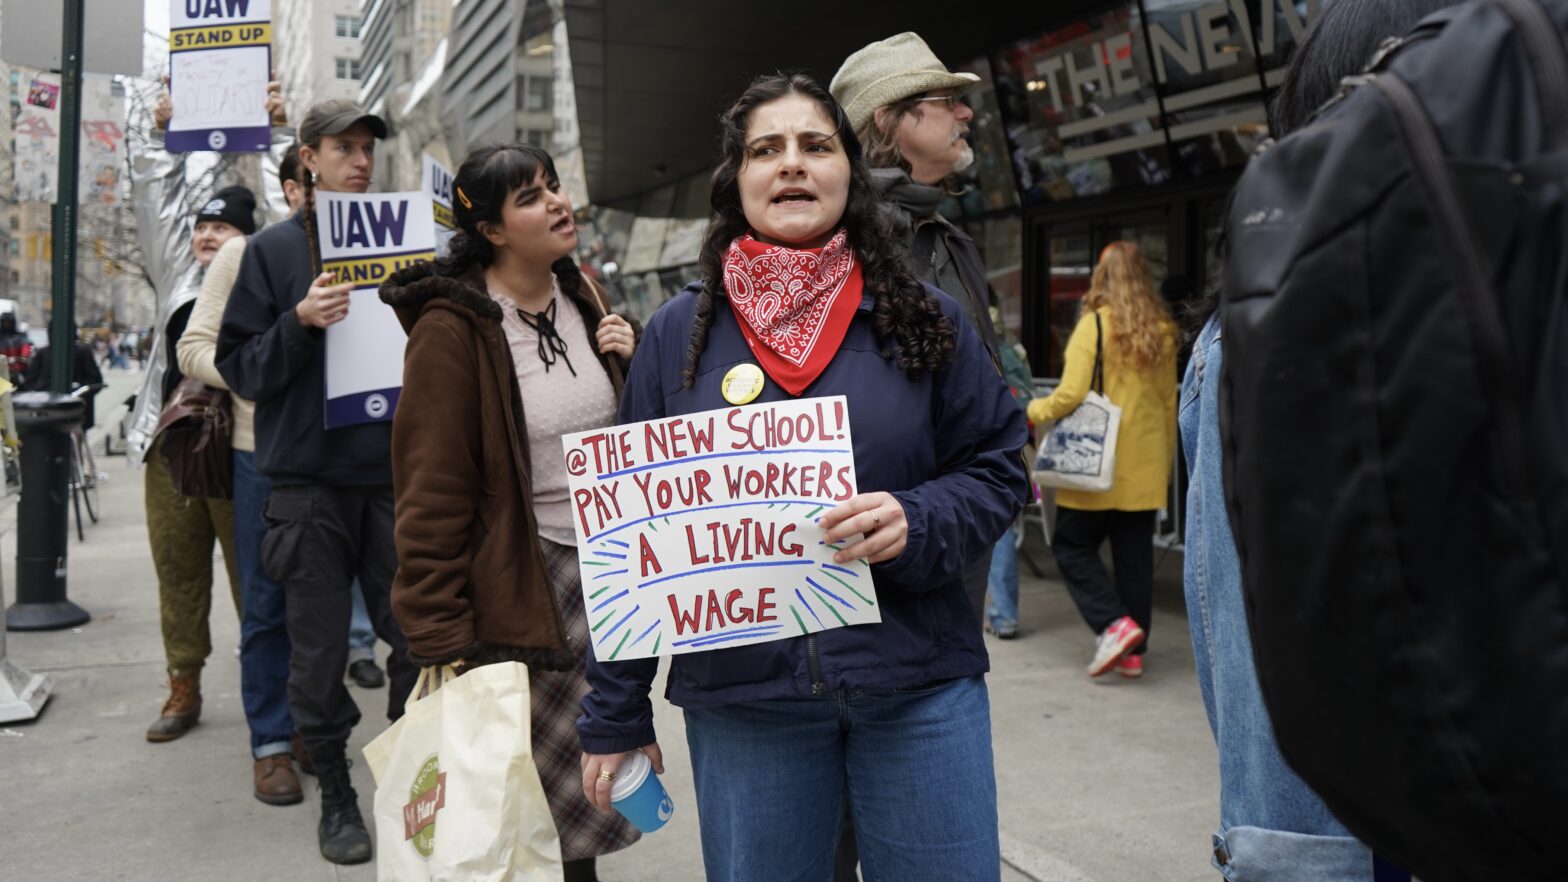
[
  {"x": 616, "y": 336},
  {"x": 878, "y": 516}
]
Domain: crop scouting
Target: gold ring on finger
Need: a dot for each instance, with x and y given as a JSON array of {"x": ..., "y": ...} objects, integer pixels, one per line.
[{"x": 606, "y": 775}]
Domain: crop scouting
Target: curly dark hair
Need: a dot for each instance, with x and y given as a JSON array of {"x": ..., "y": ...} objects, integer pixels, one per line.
[
  {"x": 907, "y": 318},
  {"x": 479, "y": 191}
]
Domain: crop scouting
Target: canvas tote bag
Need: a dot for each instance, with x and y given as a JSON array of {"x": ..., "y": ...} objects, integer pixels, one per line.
[
  {"x": 458, "y": 798},
  {"x": 1079, "y": 453}
]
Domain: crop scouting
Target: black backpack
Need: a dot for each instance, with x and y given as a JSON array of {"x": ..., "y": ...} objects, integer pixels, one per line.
[{"x": 1395, "y": 421}]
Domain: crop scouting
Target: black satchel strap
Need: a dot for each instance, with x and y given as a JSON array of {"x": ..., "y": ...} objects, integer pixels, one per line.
[{"x": 1097, "y": 382}]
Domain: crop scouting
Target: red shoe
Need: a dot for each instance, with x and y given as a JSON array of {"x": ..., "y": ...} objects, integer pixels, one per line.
[
  {"x": 1120, "y": 638},
  {"x": 1130, "y": 666}
]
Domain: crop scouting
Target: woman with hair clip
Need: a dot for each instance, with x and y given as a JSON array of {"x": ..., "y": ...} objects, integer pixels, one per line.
[
  {"x": 892, "y": 717},
  {"x": 509, "y": 348},
  {"x": 1125, "y": 344}
]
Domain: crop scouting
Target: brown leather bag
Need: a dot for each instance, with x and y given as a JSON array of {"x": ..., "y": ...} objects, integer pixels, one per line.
[{"x": 195, "y": 437}]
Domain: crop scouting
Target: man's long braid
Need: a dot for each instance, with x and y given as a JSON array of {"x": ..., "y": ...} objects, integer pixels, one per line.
[{"x": 308, "y": 218}]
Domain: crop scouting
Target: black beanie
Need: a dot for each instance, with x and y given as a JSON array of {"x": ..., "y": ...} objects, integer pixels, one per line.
[{"x": 235, "y": 206}]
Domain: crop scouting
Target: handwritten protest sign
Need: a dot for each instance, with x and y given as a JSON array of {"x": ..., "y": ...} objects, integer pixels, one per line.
[
  {"x": 436, "y": 181},
  {"x": 700, "y": 532},
  {"x": 366, "y": 237},
  {"x": 220, "y": 59}
]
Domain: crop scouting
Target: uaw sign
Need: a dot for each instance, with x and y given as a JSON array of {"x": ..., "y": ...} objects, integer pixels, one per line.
[
  {"x": 700, "y": 531},
  {"x": 220, "y": 59},
  {"x": 436, "y": 182},
  {"x": 366, "y": 237}
]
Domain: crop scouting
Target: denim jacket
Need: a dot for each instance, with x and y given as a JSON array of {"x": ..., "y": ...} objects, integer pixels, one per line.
[{"x": 1272, "y": 826}]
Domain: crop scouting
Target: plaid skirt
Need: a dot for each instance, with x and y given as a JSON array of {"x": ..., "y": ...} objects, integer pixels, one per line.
[{"x": 556, "y": 703}]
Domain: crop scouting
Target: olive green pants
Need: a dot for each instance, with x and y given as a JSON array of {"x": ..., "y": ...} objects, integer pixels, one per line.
[{"x": 181, "y": 530}]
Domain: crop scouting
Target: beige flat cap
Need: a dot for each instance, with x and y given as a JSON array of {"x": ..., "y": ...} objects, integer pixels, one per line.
[{"x": 891, "y": 70}]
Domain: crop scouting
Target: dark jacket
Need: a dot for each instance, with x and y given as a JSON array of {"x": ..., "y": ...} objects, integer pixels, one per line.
[
  {"x": 267, "y": 356},
  {"x": 943, "y": 255},
  {"x": 84, "y": 372},
  {"x": 946, "y": 445},
  {"x": 471, "y": 581}
]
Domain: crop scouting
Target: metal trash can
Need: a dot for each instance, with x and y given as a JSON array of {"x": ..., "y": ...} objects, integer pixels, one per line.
[{"x": 44, "y": 422}]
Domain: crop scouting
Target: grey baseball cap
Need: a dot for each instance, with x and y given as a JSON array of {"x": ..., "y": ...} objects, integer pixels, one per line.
[{"x": 335, "y": 117}]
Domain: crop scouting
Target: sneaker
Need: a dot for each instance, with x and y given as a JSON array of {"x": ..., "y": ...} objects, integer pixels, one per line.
[
  {"x": 366, "y": 675},
  {"x": 1002, "y": 632},
  {"x": 1130, "y": 666},
  {"x": 1120, "y": 638}
]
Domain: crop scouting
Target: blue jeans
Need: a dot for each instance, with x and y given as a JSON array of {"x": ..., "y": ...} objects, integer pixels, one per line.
[
  {"x": 361, "y": 635},
  {"x": 771, "y": 779},
  {"x": 1272, "y": 826},
  {"x": 264, "y": 634},
  {"x": 1002, "y": 609}
]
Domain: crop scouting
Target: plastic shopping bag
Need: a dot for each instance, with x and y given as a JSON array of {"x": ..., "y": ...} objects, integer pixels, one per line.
[{"x": 458, "y": 798}]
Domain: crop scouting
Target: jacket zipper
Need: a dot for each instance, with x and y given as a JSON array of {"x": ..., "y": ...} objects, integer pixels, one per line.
[
  {"x": 1475, "y": 290},
  {"x": 1548, "y": 61},
  {"x": 813, "y": 666}
]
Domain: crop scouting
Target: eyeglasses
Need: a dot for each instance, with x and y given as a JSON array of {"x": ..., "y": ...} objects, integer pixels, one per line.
[{"x": 952, "y": 101}]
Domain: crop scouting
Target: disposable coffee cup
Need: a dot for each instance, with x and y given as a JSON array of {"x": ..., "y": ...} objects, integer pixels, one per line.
[{"x": 639, "y": 795}]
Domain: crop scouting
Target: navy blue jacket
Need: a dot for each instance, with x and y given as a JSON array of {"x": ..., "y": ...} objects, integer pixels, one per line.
[{"x": 946, "y": 445}]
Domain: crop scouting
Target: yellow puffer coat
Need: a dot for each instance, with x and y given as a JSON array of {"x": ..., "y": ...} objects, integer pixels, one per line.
[{"x": 1146, "y": 444}]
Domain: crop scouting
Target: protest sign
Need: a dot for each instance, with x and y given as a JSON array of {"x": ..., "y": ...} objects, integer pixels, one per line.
[
  {"x": 366, "y": 237},
  {"x": 220, "y": 59},
  {"x": 700, "y": 531},
  {"x": 436, "y": 181}
]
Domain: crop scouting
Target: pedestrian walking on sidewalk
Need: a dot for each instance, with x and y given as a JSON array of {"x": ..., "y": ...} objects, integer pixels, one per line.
[
  {"x": 178, "y": 248},
  {"x": 264, "y": 639},
  {"x": 506, "y": 319},
  {"x": 1125, "y": 343},
  {"x": 329, "y": 515},
  {"x": 893, "y": 716}
]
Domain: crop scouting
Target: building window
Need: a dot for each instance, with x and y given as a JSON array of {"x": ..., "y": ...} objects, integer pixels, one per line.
[
  {"x": 348, "y": 26},
  {"x": 537, "y": 97},
  {"x": 348, "y": 68},
  {"x": 537, "y": 138}
]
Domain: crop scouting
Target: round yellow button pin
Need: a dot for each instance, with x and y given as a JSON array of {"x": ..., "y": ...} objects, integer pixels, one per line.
[{"x": 742, "y": 384}]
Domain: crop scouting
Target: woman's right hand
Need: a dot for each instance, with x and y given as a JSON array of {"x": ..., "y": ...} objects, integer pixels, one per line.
[
  {"x": 325, "y": 304},
  {"x": 596, "y": 765}
]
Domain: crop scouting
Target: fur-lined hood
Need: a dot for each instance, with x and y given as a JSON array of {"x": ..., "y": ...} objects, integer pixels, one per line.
[{"x": 409, "y": 290}]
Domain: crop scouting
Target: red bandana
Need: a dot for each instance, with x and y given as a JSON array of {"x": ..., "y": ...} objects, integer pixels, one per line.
[{"x": 794, "y": 304}]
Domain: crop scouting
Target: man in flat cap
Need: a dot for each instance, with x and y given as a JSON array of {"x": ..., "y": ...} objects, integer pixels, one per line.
[
  {"x": 905, "y": 108},
  {"x": 329, "y": 517}
]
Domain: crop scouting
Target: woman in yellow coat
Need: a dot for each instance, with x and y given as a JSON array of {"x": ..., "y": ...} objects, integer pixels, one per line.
[{"x": 1139, "y": 358}]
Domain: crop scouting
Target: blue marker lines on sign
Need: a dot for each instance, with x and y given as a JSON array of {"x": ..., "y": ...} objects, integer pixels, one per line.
[
  {"x": 813, "y": 583},
  {"x": 706, "y": 639},
  {"x": 808, "y": 606},
  {"x": 613, "y": 628},
  {"x": 609, "y": 600},
  {"x": 738, "y": 566}
]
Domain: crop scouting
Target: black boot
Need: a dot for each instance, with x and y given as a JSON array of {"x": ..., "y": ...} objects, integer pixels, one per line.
[{"x": 342, "y": 833}]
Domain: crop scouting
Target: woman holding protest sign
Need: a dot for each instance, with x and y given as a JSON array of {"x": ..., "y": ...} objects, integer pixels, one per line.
[
  {"x": 893, "y": 716},
  {"x": 509, "y": 347}
]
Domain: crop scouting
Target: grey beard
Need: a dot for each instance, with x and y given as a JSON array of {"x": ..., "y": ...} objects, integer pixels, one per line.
[{"x": 965, "y": 160}]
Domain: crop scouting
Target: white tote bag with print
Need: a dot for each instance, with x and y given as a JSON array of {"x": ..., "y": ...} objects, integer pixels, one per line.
[
  {"x": 458, "y": 798},
  {"x": 1079, "y": 453}
]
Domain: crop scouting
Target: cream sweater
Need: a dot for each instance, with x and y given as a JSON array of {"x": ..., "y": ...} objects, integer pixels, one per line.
[{"x": 198, "y": 346}]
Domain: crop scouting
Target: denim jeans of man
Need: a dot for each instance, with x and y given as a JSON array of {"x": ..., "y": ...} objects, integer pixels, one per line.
[
  {"x": 772, "y": 776},
  {"x": 1272, "y": 826},
  {"x": 264, "y": 634},
  {"x": 361, "y": 634},
  {"x": 1001, "y": 609}
]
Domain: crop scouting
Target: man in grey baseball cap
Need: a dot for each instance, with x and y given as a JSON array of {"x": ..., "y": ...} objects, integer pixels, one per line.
[
  {"x": 329, "y": 508},
  {"x": 336, "y": 117}
]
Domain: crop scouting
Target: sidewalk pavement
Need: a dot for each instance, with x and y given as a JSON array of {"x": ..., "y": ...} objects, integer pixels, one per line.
[{"x": 1098, "y": 781}]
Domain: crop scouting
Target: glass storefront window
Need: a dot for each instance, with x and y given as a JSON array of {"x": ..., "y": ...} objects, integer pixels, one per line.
[
  {"x": 994, "y": 188},
  {"x": 1081, "y": 113}
]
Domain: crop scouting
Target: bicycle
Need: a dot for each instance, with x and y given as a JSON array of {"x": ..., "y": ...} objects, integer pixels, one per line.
[{"x": 85, "y": 477}]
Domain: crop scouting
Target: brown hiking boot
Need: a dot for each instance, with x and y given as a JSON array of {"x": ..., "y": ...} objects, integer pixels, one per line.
[
  {"x": 276, "y": 783},
  {"x": 180, "y": 712}
]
